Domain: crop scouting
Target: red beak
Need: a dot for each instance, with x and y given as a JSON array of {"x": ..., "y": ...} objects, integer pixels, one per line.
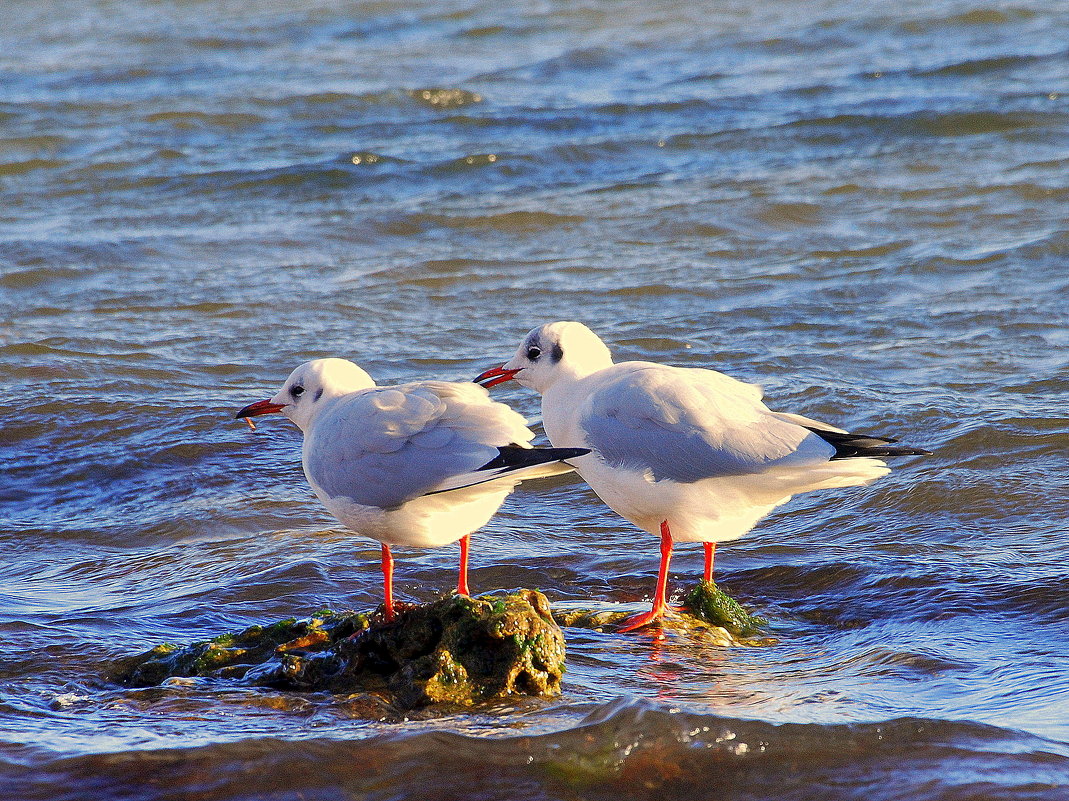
[
  {"x": 495, "y": 376},
  {"x": 260, "y": 407}
]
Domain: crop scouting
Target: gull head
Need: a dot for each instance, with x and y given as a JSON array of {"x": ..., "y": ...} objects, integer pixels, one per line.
[
  {"x": 549, "y": 353},
  {"x": 309, "y": 388}
]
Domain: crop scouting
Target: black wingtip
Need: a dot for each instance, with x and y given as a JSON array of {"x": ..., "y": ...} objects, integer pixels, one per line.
[
  {"x": 516, "y": 457},
  {"x": 855, "y": 446},
  {"x": 879, "y": 452}
]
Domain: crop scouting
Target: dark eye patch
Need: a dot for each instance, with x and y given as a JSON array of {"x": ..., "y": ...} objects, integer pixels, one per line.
[
  {"x": 296, "y": 391},
  {"x": 533, "y": 353}
]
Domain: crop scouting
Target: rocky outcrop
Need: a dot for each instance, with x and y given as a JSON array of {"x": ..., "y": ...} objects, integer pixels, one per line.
[{"x": 458, "y": 650}]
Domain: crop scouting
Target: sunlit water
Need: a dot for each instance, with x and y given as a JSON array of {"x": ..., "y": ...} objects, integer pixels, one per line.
[{"x": 860, "y": 206}]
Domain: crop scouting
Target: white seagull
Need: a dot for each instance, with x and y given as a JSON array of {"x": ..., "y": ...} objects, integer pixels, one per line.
[
  {"x": 421, "y": 464},
  {"x": 691, "y": 453}
]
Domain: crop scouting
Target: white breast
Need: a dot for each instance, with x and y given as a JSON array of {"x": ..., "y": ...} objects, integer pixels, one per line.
[{"x": 427, "y": 522}]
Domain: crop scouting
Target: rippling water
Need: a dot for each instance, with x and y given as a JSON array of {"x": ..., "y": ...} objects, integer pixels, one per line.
[{"x": 860, "y": 206}]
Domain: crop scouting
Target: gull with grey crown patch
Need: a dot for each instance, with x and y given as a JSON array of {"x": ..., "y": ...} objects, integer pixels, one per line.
[
  {"x": 690, "y": 453},
  {"x": 421, "y": 464}
]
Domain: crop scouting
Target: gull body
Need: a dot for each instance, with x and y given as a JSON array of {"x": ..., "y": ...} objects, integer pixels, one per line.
[
  {"x": 422, "y": 464},
  {"x": 690, "y": 453}
]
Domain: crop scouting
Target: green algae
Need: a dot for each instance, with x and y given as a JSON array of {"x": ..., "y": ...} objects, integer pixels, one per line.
[
  {"x": 711, "y": 604},
  {"x": 458, "y": 650}
]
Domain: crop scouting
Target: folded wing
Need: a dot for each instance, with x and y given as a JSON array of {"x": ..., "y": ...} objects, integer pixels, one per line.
[
  {"x": 686, "y": 425},
  {"x": 390, "y": 445}
]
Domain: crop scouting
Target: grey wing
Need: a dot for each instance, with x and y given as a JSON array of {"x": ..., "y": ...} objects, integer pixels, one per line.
[
  {"x": 687, "y": 425},
  {"x": 390, "y": 445}
]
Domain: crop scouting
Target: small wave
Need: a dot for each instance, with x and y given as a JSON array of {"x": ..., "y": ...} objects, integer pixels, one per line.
[
  {"x": 988, "y": 444},
  {"x": 791, "y": 215},
  {"x": 928, "y": 123},
  {"x": 985, "y": 15},
  {"x": 35, "y": 277},
  {"x": 336, "y": 105},
  {"x": 30, "y": 165},
  {"x": 655, "y": 290},
  {"x": 587, "y": 59},
  {"x": 324, "y": 176},
  {"x": 871, "y": 251},
  {"x": 802, "y": 580},
  {"x": 486, "y": 31},
  {"x": 882, "y": 660},
  {"x": 465, "y": 163},
  {"x": 226, "y": 42},
  {"x": 980, "y": 66},
  {"x": 203, "y": 119},
  {"x": 368, "y": 158},
  {"x": 351, "y": 170},
  {"x": 42, "y": 142},
  {"x": 408, "y": 225},
  {"x": 623, "y": 749}
]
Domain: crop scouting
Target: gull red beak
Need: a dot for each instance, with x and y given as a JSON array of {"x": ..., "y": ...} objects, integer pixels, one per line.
[
  {"x": 260, "y": 407},
  {"x": 495, "y": 376}
]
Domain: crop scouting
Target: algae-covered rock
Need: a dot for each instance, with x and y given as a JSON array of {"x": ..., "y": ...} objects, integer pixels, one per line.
[
  {"x": 707, "y": 614},
  {"x": 711, "y": 604},
  {"x": 233, "y": 655},
  {"x": 675, "y": 621},
  {"x": 457, "y": 650}
]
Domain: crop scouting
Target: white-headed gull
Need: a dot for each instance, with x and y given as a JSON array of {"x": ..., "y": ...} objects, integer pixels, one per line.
[
  {"x": 691, "y": 453},
  {"x": 421, "y": 464}
]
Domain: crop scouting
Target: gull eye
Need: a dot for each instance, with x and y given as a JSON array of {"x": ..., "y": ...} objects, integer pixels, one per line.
[
  {"x": 533, "y": 353},
  {"x": 296, "y": 391}
]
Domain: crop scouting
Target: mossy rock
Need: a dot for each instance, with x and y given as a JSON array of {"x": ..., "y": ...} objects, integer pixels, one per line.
[
  {"x": 457, "y": 650},
  {"x": 707, "y": 614},
  {"x": 233, "y": 655},
  {"x": 710, "y": 603}
]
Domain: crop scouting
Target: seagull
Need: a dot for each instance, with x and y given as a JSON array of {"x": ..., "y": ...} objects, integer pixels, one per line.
[
  {"x": 688, "y": 453},
  {"x": 421, "y": 464}
]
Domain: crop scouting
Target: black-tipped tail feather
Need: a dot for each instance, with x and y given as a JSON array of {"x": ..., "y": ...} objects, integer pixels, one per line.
[{"x": 852, "y": 446}]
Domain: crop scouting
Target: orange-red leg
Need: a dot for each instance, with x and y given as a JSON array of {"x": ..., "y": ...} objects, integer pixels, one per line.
[
  {"x": 710, "y": 551},
  {"x": 462, "y": 579},
  {"x": 660, "y": 596},
  {"x": 387, "y": 580}
]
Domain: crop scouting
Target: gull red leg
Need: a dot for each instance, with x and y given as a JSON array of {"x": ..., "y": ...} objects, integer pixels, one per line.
[
  {"x": 710, "y": 551},
  {"x": 660, "y": 597},
  {"x": 387, "y": 580},
  {"x": 462, "y": 579}
]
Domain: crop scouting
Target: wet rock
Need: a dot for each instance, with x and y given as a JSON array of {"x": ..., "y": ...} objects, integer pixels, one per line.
[
  {"x": 707, "y": 614},
  {"x": 233, "y": 655},
  {"x": 676, "y": 622},
  {"x": 457, "y": 650}
]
